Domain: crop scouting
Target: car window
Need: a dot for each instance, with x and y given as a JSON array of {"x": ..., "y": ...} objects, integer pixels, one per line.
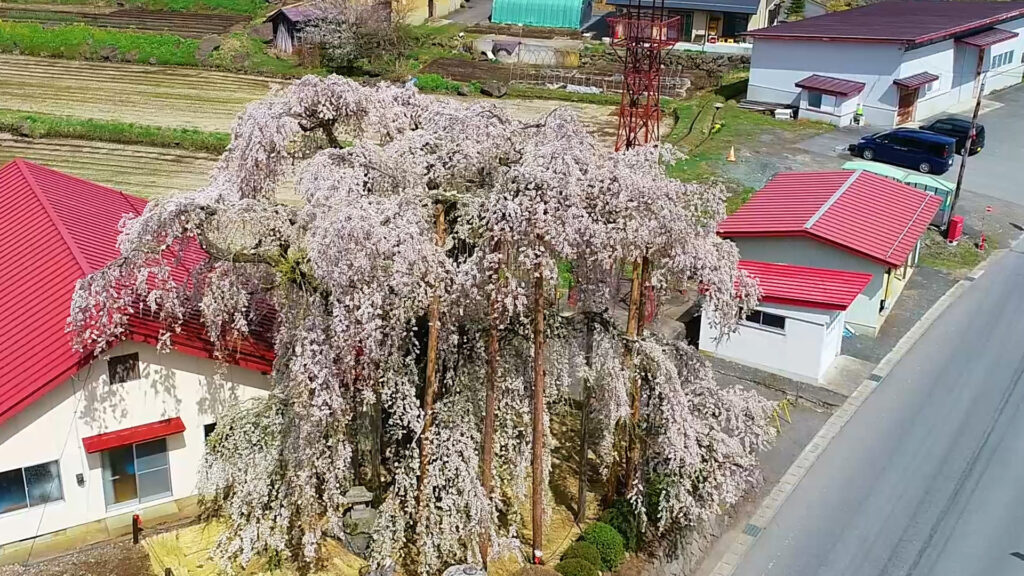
[
  {"x": 940, "y": 125},
  {"x": 937, "y": 150},
  {"x": 899, "y": 140}
]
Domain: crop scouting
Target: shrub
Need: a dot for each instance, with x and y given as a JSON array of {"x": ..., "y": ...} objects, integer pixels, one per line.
[
  {"x": 436, "y": 83},
  {"x": 608, "y": 542},
  {"x": 583, "y": 551},
  {"x": 576, "y": 567},
  {"x": 622, "y": 517}
]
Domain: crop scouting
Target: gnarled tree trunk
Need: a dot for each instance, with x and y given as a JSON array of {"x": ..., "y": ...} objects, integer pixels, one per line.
[
  {"x": 430, "y": 381},
  {"x": 538, "y": 415}
]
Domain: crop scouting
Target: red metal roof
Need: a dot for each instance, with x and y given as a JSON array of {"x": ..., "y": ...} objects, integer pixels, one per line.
[
  {"x": 860, "y": 212},
  {"x": 831, "y": 85},
  {"x": 916, "y": 80},
  {"x": 907, "y": 22},
  {"x": 804, "y": 286},
  {"x": 55, "y": 229},
  {"x": 133, "y": 435},
  {"x": 989, "y": 38}
]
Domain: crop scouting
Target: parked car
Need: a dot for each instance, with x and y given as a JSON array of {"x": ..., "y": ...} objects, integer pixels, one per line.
[
  {"x": 958, "y": 129},
  {"x": 924, "y": 151}
]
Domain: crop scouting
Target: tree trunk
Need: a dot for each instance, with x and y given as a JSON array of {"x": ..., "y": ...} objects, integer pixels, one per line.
[
  {"x": 538, "y": 415},
  {"x": 633, "y": 446},
  {"x": 490, "y": 383},
  {"x": 632, "y": 323},
  {"x": 588, "y": 358},
  {"x": 430, "y": 384}
]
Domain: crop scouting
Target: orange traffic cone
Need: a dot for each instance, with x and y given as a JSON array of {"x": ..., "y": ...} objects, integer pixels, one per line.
[{"x": 732, "y": 154}]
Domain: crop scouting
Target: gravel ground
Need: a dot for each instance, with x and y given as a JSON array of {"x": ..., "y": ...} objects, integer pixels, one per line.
[{"x": 119, "y": 558}]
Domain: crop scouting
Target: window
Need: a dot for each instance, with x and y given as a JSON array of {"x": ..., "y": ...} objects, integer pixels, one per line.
[
  {"x": 828, "y": 102},
  {"x": 767, "y": 319},
  {"x": 136, "y": 473},
  {"x": 208, "y": 430},
  {"x": 30, "y": 486},
  {"x": 814, "y": 99},
  {"x": 124, "y": 368},
  {"x": 1003, "y": 59}
]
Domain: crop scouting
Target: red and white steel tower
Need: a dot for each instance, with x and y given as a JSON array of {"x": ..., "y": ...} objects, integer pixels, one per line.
[{"x": 641, "y": 35}]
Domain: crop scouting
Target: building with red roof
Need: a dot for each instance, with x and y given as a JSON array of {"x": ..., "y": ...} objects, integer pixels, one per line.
[
  {"x": 899, "y": 61},
  {"x": 846, "y": 220},
  {"x": 86, "y": 438},
  {"x": 797, "y": 330}
]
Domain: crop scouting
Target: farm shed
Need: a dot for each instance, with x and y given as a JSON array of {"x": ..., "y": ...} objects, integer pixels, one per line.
[
  {"x": 543, "y": 13},
  {"x": 86, "y": 440},
  {"x": 900, "y": 61},
  {"x": 288, "y": 22},
  {"x": 797, "y": 329},
  {"x": 853, "y": 221}
]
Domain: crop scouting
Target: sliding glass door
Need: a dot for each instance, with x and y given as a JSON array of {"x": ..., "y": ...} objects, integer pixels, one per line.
[{"x": 135, "y": 474}]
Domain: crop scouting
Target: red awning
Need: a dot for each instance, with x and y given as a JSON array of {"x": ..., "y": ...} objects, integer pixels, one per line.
[
  {"x": 831, "y": 85},
  {"x": 133, "y": 435},
  {"x": 989, "y": 38},
  {"x": 916, "y": 80}
]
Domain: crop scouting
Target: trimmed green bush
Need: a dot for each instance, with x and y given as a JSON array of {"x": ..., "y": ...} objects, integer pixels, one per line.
[
  {"x": 583, "y": 551},
  {"x": 608, "y": 542},
  {"x": 622, "y": 517},
  {"x": 576, "y": 567}
]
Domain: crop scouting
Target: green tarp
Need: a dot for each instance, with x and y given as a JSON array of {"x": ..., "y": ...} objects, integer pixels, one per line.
[{"x": 542, "y": 13}]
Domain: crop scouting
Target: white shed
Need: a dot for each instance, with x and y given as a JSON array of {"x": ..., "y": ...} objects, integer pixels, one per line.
[
  {"x": 899, "y": 61},
  {"x": 797, "y": 330}
]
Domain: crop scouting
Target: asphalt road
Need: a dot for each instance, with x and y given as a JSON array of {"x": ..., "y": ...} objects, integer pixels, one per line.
[
  {"x": 996, "y": 171},
  {"x": 927, "y": 478}
]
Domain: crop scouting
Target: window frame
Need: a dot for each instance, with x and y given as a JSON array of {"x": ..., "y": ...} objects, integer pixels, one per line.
[
  {"x": 139, "y": 499},
  {"x": 111, "y": 370},
  {"x": 820, "y": 96},
  {"x": 760, "y": 325},
  {"x": 24, "y": 484}
]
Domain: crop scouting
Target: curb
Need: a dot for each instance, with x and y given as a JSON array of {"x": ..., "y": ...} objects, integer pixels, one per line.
[{"x": 796, "y": 472}]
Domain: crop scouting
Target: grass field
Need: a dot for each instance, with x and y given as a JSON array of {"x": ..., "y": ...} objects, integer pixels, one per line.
[
  {"x": 52, "y": 126},
  {"x": 238, "y": 52},
  {"x": 936, "y": 253}
]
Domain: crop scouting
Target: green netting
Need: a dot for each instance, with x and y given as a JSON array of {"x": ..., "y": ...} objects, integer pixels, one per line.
[{"x": 544, "y": 13}]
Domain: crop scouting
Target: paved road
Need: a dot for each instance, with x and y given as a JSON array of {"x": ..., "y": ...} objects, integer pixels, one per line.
[
  {"x": 927, "y": 477},
  {"x": 997, "y": 169}
]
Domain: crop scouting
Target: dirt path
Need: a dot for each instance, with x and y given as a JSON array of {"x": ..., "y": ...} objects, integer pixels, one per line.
[
  {"x": 140, "y": 170},
  {"x": 158, "y": 95}
]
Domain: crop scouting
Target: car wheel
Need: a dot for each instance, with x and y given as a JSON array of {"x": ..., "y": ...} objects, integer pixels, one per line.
[
  {"x": 867, "y": 154},
  {"x": 925, "y": 167}
]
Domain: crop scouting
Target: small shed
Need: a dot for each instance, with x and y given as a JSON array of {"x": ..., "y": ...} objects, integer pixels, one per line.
[
  {"x": 287, "y": 22},
  {"x": 797, "y": 329},
  {"x": 543, "y": 13}
]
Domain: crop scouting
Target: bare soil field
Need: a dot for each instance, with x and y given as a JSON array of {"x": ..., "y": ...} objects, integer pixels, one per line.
[
  {"x": 184, "y": 24},
  {"x": 140, "y": 170},
  {"x": 156, "y": 95}
]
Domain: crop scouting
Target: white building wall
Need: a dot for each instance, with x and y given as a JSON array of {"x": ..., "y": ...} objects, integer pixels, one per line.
[
  {"x": 838, "y": 110},
  {"x": 802, "y": 352},
  {"x": 938, "y": 96},
  {"x": 863, "y": 313},
  {"x": 52, "y": 428},
  {"x": 777, "y": 65},
  {"x": 1012, "y": 73}
]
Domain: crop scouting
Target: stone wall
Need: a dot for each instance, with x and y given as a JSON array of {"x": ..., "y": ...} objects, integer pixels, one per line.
[
  {"x": 695, "y": 546},
  {"x": 714, "y": 65}
]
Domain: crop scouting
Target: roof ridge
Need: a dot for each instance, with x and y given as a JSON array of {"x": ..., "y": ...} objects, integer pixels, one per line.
[
  {"x": 832, "y": 200},
  {"x": 924, "y": 202},
  {"x": 22, "y": 166}
]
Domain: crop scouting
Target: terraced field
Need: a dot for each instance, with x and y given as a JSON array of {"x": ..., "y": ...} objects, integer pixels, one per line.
[
  {"x": 184, "y": 24},
  {"x": 140, "y": 170},
  {"x": 157, "y": 95}
]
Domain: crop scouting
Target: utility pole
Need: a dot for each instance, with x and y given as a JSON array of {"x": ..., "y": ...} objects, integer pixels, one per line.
[{"x": 970, "y": 134}]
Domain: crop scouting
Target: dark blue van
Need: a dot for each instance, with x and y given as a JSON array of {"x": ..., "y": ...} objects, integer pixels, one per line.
[{"x": 926, "y": 152}]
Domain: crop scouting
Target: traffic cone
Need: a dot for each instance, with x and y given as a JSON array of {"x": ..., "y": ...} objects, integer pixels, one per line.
[{"x": 732, "y": 154}]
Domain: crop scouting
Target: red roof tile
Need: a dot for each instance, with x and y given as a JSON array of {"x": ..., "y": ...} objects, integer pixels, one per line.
[
  {"x": 831, "y": 85},
  {"x": 916, "y": 80},
  {"x": 804, "y": 286},
  {"x": 868, "y": 215},
  {"x": 133, "y": 435},
  {"x": 907, "y": 22},
  {"x": 989, "y": 38},
  {"x": 55, "y": 229}
]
